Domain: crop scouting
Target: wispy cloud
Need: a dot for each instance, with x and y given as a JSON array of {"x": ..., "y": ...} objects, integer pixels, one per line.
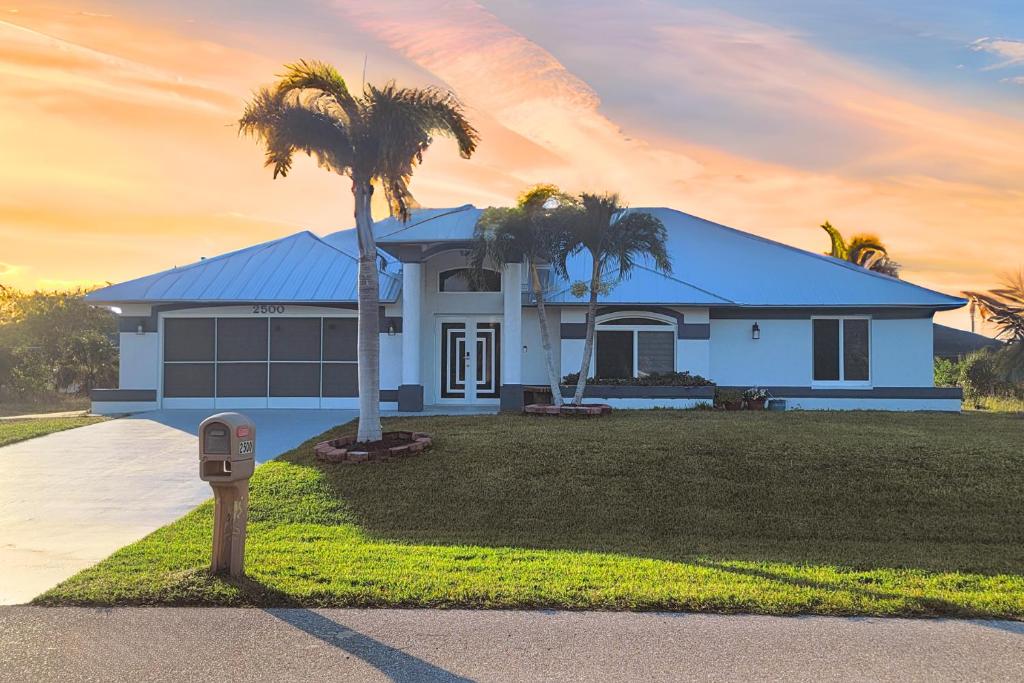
[{"x": 1011, "y": 51}]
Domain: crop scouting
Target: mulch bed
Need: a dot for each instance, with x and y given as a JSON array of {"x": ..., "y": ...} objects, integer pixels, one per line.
[
  {"x": 393, "y": 446},
  {"x": 585, "y": 410}
]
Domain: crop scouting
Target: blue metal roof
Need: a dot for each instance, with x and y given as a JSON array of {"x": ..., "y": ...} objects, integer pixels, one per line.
[
  {"x": 300, "y": 267},
  {"x": 713, "y": 265},
  {"x": 430, "y": 225},
  {"x": 716, "y": 265}
]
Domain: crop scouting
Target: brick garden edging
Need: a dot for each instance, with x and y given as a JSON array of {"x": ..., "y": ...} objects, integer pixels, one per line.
[
  {"x": 337, "y": 451},
  {"x": 588, "y": 410}
]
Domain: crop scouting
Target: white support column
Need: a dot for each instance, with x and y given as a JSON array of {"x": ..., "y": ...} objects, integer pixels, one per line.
[
  {"x": 410, "y": 393},
  {"x": 512, "y": 337}
]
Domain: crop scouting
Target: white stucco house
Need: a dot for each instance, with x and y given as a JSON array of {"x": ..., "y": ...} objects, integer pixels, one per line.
[{"x": 274, "y": 325}]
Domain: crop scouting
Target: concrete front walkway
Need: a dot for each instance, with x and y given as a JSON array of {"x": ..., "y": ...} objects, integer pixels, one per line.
[
  {"x": 69, "y": 499},
  {"x": 198, "y": 644}
]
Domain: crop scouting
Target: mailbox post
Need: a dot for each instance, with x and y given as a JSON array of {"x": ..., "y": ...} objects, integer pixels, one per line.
[{"x": 227, "y": 449}]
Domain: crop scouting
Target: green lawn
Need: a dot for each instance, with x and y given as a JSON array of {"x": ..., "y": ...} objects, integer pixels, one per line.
[
  {"x": 12, "y": 431},
  {"x": 778, "y": 513}
]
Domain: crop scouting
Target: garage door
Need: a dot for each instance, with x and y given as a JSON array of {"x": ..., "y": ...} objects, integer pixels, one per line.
[{"x": 256, "y": 362}]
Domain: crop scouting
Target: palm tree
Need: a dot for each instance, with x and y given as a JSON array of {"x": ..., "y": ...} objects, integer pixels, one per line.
[
  {"x": 527, "y": 232},
  {"x": 615, "y": 238},
  {"x": 376, "y": 139},
  {"x": 1003, "y": 307},
  {"x": 864, "y": 249}
]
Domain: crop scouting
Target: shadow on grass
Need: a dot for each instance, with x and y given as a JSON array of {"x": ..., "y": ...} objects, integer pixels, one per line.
[{"x": 397, "y": 665}]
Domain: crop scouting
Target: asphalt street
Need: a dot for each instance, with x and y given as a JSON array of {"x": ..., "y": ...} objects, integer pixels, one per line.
[{"x": 202, "y": 644}]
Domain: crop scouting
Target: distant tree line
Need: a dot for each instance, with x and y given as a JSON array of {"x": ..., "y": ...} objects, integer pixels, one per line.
[{"x": 54, "y": 342}]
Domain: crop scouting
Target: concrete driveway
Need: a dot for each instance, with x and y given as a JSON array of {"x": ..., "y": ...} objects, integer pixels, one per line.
[{"x": 68, "y": 500}]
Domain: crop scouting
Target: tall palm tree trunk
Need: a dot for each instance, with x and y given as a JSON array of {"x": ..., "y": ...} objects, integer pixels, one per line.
[
  {"x": 368, "y": 344},
  {"x": 588, "y": 345},
  {"x": 545, "y": 336}
]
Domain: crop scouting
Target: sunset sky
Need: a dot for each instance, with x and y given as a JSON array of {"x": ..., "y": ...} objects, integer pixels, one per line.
[{"x": 119, "y": 154}]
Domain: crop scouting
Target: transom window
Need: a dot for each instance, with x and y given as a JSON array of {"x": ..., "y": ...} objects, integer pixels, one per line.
[
  {"x": 842, "y": 350},
  {"x": 460, "y": 280},
  {"x": 634, "y": 346}
]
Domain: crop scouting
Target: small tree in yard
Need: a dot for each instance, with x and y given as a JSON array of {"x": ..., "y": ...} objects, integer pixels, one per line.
[
  {"x": 528, "y": 232},
  {"x": 616, "y": 238},
  {"x": 374, "y": 138}
]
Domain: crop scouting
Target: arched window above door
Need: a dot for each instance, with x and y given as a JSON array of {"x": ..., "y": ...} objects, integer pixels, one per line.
[{"x": 459, "y": 280}]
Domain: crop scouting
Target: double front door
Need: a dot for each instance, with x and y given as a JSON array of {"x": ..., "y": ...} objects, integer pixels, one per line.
[{"x": 469, "y": 352}]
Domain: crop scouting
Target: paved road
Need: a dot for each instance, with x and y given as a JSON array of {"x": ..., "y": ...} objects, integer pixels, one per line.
[
  {"x": 154, "y": 644},
  {"x": 69, "y": 499}
]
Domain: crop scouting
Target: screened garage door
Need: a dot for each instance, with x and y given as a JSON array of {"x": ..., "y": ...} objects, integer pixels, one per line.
[{"x": 280, "y": 361}]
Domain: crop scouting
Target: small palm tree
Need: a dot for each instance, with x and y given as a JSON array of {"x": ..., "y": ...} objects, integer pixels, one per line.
[
  {"x": 616, "y": 239},
  {"x": 525, "y": 233},
  {"x": 376, "y": 139},
  {"x": 865, "y": 250}
]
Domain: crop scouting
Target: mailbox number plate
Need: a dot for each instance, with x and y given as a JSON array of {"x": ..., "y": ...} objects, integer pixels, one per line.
[{"x": 245, "y": 447}]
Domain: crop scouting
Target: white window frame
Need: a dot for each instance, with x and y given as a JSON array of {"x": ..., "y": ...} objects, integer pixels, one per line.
[
  {"x": 842, "y": 381},
  {"x": 442, "y": 271},
  {"x": 606, "y": 323}
]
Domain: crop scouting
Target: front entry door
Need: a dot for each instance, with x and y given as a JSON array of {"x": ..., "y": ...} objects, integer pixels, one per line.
[{"x": 470, "y": 370}]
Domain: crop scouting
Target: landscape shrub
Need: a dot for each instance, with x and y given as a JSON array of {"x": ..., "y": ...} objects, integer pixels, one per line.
[
  {"x": 655, "y": 379},
  {"x": 947, "y": 372},
  {"x": 978, "y": 375}
]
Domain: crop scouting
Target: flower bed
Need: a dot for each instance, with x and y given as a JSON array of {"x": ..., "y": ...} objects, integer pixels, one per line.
[
  {"x": 586, "y": 410},
  {"x": 393, "y": 446}
]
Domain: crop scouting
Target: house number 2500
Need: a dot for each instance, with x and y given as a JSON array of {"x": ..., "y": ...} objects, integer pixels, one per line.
[{"x": 267, "y": 308}]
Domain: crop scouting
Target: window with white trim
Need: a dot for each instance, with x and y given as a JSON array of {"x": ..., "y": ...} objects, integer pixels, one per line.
[
  {"x": 634, "y": 345},
  {"x": 842, "y": 350}
]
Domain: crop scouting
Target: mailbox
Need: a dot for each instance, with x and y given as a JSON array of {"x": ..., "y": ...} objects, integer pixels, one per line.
[
  {"x": 227, "y": 448},
  {"x": 227, "y": 451}
]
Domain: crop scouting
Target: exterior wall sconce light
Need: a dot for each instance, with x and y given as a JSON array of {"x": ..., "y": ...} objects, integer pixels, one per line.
[
  {"x": 139, "y": 329},
  {"x": 525, "y": 348},
  {"x": 755, "y": 332},
  {"x": 391, "y": 329}
]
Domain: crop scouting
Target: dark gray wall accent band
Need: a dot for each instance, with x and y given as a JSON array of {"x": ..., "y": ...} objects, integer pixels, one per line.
[
  {"x": 574, "y": 330},
  {"x": 684, "y": 330},
  {"x": 804, "y": 313},
  {"x": 695, "y": 331},
  {"x": 388, "y": 395},
  {"x": 875, "y": 392},
  {"x": 610, "y": 391},
  {"x": 511, "y": 400},
  {"x": 108, "y": 395},
  {"x": 410, "y": 398}
]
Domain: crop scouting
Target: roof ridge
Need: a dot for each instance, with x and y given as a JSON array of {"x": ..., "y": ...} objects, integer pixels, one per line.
[
  {"x": 670, "y": 276},
  {"x": 445, "y": 212},
  {"x": 822, "y": 257}
]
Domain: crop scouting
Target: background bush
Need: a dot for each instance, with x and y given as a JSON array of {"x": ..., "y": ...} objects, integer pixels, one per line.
[{"x": 54, "y": 341}]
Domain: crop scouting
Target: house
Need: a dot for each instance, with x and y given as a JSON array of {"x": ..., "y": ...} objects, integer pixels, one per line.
[
  {"x": 274, "y": 325},
  {"x": 953, "y": 344}
]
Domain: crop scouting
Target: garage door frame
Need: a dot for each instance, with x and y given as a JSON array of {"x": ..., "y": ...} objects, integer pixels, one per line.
[{"x": 254, "y": 311}]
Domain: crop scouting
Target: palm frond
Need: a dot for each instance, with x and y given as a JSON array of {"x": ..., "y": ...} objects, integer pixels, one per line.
[
  {"x": 1003, "y": 307},
  {"x": 838, "y": 244},
  {"x": 399, "y": 126},
  {"x": 285, "y": 125},
  {"x": 323, "y": 78}
]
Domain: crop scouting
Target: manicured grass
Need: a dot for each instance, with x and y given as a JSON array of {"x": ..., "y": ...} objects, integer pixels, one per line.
[
  {"x": 778, "y": 513},
  {"x": 46, "y": 403},
  {"x": 12, "y": 431}
]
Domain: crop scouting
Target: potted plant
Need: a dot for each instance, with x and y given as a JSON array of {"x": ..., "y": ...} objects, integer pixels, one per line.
[
  {"x": 730, "y": 399},
  {"x": 754, "y": 398}
]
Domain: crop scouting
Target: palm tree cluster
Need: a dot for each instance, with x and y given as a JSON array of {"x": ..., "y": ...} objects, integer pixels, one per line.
[
  {"x": 864, "y": 249},
  {"x": 376, "y": 138},
  {"x": 548, "y": 227}
]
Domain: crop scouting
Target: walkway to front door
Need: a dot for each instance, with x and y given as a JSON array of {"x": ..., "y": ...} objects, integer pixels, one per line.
[{"x": 470, "y": 371}]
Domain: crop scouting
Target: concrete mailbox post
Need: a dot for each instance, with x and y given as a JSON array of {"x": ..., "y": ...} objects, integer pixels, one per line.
[{"x": 227, "y": 449}]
